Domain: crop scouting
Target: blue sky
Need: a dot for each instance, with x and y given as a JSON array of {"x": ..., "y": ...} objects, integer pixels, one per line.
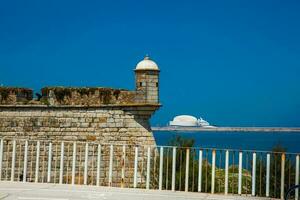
[{"x": 232, "y": 62}]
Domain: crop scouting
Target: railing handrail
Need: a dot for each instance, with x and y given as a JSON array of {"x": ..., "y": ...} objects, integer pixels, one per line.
[
  {"x": 64, "y": 161},
  {"x": 158, "y": 146}
]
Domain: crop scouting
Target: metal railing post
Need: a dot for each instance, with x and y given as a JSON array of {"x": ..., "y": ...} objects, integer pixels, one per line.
[
  {"x": 110, "y": 165},
  {"x": 61, "y": 168},
  {"x": 25, "y": 161},
  {"x": 98, "y": 165},
  {"x": 13, "y": 161},
  {"x": 135, "y": 167},
  {"x": 1, "y": 157},
  {"x": 200, "y": 171},
  {"x": 86, "y": 159},
  {"x": 257, "y": 170},
  {"x": 297, "y": 177},
  {"x": 268, "y": 176},
  {"x": 49, "y": 163},
  {"x": 148, "y": 168},
  {"x": 282, "y": 176},
  {"x": 226, "y": 170},
  {"x": 37, "y": 161},
  {"x": 187, "y": 165},
  {"x": 253, "y": 173},
  {"x": 240, "y": 173},
  {"x": 74, "y": 163},
  {"x": 161, "y": 160},
  {"x": 213, "y": 171},
  {"x": 173, "y": 168},
  {"x": 123, "y": 166}
]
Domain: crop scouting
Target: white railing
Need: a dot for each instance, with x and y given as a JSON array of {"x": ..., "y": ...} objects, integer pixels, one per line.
[{"x": 226, "y": 171}]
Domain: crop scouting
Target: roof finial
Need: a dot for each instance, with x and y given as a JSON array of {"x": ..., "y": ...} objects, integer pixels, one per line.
[{"x": 147, "y": 57}]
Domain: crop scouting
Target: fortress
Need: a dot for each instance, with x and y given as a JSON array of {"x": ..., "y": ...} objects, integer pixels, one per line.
[
  {"x": 92, "y": 121},
  {"x": 105, "y": 115}
]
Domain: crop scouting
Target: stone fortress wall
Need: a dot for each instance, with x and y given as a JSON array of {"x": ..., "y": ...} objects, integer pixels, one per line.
[
  {"x": 96, "y": 115},
  {"x": 83, "y": 114}
]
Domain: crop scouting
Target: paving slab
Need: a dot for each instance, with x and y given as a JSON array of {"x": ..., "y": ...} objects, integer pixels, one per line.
[
  {"x": 3, "y": 195},
  {"x": 46, "y": 191}
]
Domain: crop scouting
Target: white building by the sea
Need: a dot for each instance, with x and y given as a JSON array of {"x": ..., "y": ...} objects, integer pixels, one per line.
[{"x": 188, "y": 120}]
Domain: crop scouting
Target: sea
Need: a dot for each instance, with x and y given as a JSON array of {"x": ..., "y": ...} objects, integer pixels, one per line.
[{"x": 258, "y": 141}]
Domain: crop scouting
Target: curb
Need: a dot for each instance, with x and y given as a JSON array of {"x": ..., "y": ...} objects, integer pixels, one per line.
[{"x": 3, "y": 195}]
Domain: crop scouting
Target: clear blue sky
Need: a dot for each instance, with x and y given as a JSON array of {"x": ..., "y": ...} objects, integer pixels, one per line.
[{"x": 231, "y": 62}]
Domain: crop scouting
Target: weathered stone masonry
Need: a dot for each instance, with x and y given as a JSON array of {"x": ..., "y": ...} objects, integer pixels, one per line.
[
  {"x": 95, "y": 115},
  {"x": 83, "y": 114},
  {"x": 107, "y": 124}
]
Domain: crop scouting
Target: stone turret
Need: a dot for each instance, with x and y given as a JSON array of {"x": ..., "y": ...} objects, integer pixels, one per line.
[
  {"x": 86, "y": 114},
  {"x": 147, "y": 81}
]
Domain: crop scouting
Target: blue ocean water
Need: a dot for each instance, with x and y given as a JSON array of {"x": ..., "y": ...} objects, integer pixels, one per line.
[{"x": 259, "y": 141}]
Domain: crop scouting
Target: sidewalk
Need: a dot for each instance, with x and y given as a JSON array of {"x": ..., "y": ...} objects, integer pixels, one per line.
[
  {"x": 44, "y": 191},
  {"x": 3, "y": 195}
]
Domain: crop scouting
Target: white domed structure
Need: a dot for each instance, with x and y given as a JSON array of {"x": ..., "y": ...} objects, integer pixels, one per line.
[
  {"x": 188, "y": 120},
  {"x": 184, "y": 120},
  {"x": 147, "y": 64}
]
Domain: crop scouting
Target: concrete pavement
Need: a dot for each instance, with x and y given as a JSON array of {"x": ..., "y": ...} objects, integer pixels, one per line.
[
  {"x": 3, "y": 195},
  {"x": 43, "y": 191}
]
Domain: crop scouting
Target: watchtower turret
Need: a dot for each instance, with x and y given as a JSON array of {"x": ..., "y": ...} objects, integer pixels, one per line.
[{"x": 147, "y": 81}]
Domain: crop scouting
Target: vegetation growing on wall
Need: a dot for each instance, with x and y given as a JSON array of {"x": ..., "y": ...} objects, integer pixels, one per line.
[
  {"x": 68, "y": 96},
  {"x": 117, "y": 93},
  {"x": 105, "y": 95},
  {"x": 44, "y": 101},
  {"x": 22, "y": 94},
  {"x": 61, "y": 93},
  {"x": 86, "y": 91},
  {"x": 4, "y": 93}
]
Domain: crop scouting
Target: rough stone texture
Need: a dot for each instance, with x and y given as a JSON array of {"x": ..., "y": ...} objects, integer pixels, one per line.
[
  {"x": 68, "y": 155},
  {"x": 117, "y": 125},
  {"x": 147, "y": 84},
  {"x": 87, "y": 96},
  {"x": 14, "y": 95},
  {"x": 95, "y": 115},
  {"x": 122, "y": 125},
  {"x": 147, "y": 92}
]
